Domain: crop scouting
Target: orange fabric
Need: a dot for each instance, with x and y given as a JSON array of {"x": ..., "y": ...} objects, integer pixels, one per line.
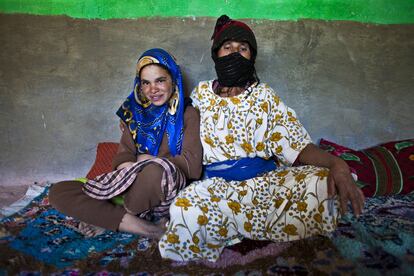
[{"x": 105, "y": 152}]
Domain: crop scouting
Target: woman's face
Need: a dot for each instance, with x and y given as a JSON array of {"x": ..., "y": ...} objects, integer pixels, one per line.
[
  {"x": 156, "y": 84},
  {"x": 231, "y": 46}
]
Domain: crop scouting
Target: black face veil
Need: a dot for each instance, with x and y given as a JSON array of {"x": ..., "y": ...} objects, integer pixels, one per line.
[{"x": 234, "y": 70}]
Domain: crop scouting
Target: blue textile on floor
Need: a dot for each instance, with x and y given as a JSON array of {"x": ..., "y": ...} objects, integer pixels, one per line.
[
  {"x": 50, "y": 236},
  {"x": 48, "y": 239}
]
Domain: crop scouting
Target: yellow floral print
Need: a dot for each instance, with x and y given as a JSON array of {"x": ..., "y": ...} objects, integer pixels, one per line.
[
  {"x": 276, "y": 204},
  {"x": 322, "y": 173},
  {"x": 202, "y": 220},
  {"x": 247, "y": 147},
  {"x": 301, "y": 205},
  {"x": 300, "y": 177},
  {"x": 209, "y": 141},
  {"x": 276, "y": 99},
  {"x": 317, "y": 217},
  {"x": 223, "y": 231},
  {"x": 183, "y": 202},
  {"x": 278, "y": 117},
  {"x": 213, "y": 246},
  {"x": 279, "y": 150},
  {"x": 196, "y": 240},
  {"x": 255, "y": 201},
  {"x": 260, "y": 146},
  {"x": 265, "y": 107},
  {"x": 234, "y": 206},
  {"x": 235, "y": 100},
  {"x": 229, "y": 139},
  {"x": 290, "y": 229},
  {"x": 173, "y": 238},
  {"x": 223, "y": 103},
  {"x": 282, "y": 173},
  {"x": 194, "y": 248},
  {"x": 276, "y": 137},
  {"x": 248, "y": 226},
  {"x": 321, "y": 209},
  {"x": 215, "y": 199}
]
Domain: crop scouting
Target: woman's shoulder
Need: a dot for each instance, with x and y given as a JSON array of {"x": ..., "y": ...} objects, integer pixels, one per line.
[
  {"x": 202, "y": 92},
  {"x": 204, "y": 82},
  {"x": 190, "y": 112},
  {"x": 265, "y": 90},
  {"x": 191, "y": 116},
  {"x": 265, "y": 86}
]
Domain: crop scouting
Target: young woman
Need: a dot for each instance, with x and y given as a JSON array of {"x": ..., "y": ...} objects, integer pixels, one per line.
[
  {"x": 158, "y": 152},
  {"x": 250, "y": 140}
]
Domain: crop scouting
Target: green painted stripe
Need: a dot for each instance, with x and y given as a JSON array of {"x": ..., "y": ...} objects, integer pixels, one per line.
[{"x": 368, "y": 11}]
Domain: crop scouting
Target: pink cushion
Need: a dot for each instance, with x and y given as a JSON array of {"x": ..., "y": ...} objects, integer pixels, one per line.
[{"x": 383, "y": 169}]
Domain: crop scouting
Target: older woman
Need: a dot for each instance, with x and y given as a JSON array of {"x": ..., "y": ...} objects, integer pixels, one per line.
[
  {"x": 158, "y": 153},
  {"x": 250, "y": 140}
]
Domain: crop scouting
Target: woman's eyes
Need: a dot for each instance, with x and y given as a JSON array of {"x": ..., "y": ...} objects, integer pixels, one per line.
[
  {"x": 157, "y": 81},
  {"x": 240, "y": 49}
]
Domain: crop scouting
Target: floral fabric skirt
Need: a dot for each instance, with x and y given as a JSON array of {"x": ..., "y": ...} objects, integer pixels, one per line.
[{"x": 282, "y": 205}]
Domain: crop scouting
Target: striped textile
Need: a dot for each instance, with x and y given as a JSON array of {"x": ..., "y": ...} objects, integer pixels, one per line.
[{"x": 108, "y": 185}]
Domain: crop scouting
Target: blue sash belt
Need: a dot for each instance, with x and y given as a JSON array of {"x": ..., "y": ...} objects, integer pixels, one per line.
[{"x": 239, "y": 170}]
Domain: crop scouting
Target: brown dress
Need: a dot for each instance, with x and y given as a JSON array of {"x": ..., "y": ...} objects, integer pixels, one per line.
[{"x": 145, "y": 192}]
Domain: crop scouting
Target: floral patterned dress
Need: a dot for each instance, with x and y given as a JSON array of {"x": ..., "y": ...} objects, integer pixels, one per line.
[{"x": 286, "y": 204}]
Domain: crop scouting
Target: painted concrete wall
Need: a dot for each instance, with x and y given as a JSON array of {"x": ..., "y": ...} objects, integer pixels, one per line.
[
  {"x": 62, "y": 79},
  {"x": 373, "y": 11}
]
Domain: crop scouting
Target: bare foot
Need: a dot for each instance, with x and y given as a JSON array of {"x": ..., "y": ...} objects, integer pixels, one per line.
[
  {"x": 135, "y": 225},
  {"x": 89, "y": 230}
]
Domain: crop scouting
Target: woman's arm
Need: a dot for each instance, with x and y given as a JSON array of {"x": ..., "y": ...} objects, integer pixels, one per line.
[
  {"x": 190, "y": 159},
  {"x": 339, "y": 180},
  {"x": 126, "y": 154}
]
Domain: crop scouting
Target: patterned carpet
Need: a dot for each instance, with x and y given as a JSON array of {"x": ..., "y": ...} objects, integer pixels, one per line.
[{"x": 38, "y": 240}]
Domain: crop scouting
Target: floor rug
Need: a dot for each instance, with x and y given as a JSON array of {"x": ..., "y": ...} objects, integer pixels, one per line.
[{"x": 38, "y": 240}]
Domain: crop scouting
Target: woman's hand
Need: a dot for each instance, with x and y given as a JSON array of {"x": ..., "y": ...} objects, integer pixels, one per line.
[
  {"x": 124, "y": 165},
  {"x": 144, "y": 156},
  {"x": 340, "y": 180},
  {"x": 141, "y": 157}
]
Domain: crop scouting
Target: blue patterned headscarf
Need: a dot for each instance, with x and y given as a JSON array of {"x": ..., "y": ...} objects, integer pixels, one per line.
[{"x": 147, "y": 122}]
